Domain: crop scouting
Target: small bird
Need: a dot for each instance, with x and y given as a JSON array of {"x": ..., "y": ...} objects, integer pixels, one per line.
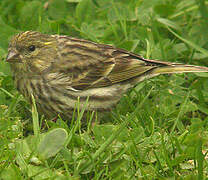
[{"x": 57, "y": 70}]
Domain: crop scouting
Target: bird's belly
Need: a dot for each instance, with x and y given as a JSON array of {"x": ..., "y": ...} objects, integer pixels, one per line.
[{"x": 52, "y": 100}]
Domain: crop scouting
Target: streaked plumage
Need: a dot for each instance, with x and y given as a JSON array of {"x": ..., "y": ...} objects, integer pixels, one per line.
[{"x": 59, "y": 69}]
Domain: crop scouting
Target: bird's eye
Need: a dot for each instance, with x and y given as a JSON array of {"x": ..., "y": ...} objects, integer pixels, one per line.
[{"x": 31, "y": 48}]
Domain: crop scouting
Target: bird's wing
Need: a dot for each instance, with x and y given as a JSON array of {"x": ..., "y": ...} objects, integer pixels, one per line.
[
  {"x": 108, "y": 73},
  {"x": 84, "y": 64},
  {"x": 92, "y": 65}
]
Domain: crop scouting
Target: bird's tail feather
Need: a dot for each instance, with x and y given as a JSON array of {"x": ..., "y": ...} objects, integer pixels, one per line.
[
  {"x": 178, "y": 68},
  {"x": 168, "y": 68}
]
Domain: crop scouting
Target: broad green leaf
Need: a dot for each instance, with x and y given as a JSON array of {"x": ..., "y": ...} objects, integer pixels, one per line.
[{"x": 52, "y": 142}]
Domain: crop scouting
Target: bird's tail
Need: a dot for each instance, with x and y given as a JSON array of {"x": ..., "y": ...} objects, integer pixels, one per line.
[
  {"x": 178, "y": 68},
  {"x": 160, "y": 67}
]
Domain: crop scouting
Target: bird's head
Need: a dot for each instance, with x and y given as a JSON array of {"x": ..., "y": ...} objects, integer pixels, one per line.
[{"x": 32, "y": 52}]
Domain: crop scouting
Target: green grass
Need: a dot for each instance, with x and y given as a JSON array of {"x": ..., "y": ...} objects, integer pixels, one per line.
[{"x": 159, "y": 130}]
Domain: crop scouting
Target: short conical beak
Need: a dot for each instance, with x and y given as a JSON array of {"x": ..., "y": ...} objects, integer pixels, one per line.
[{"x": 13, "y": 56}]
